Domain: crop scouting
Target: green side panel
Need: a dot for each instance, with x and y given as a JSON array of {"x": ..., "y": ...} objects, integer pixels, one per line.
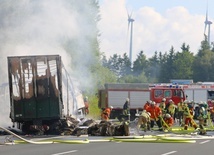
[
  {"x": 48, "y": 108},
  {"x": 43, "y": 108},
  {"x": 29, "y": 109},
  {"x": 54, "y": 107}
]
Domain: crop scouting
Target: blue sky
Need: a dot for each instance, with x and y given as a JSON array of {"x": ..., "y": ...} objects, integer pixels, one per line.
[
  {"x": 194, "y": 6},
  {"x": 158, "y": 25}
]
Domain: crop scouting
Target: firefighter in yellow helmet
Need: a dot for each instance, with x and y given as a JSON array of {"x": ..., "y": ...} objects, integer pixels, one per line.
[
  {"x": 171, "y": 108},
  {"x": 162, "y": 105}
]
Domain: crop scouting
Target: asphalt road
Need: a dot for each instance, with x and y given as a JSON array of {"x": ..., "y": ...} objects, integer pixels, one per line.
[{"x": 201, "y": 147}]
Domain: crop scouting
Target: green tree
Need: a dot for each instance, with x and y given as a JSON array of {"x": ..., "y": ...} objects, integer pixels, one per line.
[
  {"x": 120, "y": 66},
  {"x": 113, "y": 64},
  {"x": 167, "y": 69},
  {"x": 203, "y": 64},
  {"x": 124, "y": 65},
  {"x": 134, "y": 79},
  {"x": 183, "y": 63},
  {"x": 140, "y": 65}
]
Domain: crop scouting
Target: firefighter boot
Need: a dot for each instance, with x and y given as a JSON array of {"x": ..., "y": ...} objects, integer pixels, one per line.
[
  {"x": 202, "y": 130},
  {"x": 148, "y": 126}
]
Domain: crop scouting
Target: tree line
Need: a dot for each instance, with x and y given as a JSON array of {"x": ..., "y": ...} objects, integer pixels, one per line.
[{"x": 162, "y": 67}]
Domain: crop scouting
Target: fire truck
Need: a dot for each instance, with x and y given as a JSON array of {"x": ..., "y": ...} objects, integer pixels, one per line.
[
  {"x": 200, "y": 92},
  {"x": 115, "y": 94},
  {"x": 197, "y": 92}
]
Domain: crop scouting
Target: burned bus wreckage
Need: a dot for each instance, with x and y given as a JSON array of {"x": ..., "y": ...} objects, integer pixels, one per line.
[
  {"x": 35, "y": 86},
  {"x": 39, "y": 98}
]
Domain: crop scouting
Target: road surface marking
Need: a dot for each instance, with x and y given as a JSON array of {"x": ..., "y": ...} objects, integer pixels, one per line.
[
  {"x": 169, "y": 153},
  {"x": 65, "y": 152},
  {"x": 206, "y": 141}
]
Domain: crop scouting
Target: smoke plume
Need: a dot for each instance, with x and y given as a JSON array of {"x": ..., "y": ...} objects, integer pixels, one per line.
[{"x": 43, "y": 27}]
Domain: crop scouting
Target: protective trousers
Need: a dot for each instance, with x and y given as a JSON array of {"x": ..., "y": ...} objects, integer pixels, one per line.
[{"x": 158, "y": 122}]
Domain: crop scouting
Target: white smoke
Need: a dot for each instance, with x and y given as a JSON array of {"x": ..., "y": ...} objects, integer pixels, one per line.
[{"x": 43, "y": 27}]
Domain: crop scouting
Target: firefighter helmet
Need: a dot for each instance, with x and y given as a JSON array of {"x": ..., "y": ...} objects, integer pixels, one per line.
[
  {"x": 202, "y": 109},
  {"x": 167, "y": 115},
  {"x": 148, "y": 113},
  {"x": 153, "y": 103},
  {"x": 186, "y": 101},
  {"x": 164, "y": 100},
  {"x": 144, "y": 111}
]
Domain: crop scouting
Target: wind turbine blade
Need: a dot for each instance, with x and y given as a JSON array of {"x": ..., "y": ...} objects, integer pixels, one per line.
[
  {"x": 130, "y": 15},
  {"x": 128, "y": 22}
]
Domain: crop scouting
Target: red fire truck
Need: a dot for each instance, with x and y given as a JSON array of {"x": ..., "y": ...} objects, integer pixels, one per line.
[{"x": 115, "y": 95}]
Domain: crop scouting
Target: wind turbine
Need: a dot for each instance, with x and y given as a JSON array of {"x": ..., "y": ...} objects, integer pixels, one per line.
[
  {"x": 207, "y": 23},
  {"x": 130, "y": 22}
]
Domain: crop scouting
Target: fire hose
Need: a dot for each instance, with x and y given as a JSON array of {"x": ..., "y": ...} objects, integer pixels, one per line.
[
  {"x": 165, "y": 124},
  {"x": 23, "y": 139},
  {"x": 152, "y": 139},
  {"x": 164, "y": 138}
]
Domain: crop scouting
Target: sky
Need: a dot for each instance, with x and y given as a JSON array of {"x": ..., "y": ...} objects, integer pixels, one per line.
[{"x": 158, "y": 25}]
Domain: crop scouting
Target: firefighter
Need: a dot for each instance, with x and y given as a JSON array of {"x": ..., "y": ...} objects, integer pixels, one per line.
[
  {"x": 126, "y": 107},
  {"x": 202, "y": 117},
  {"x": 147, "y": 104},
  {"x": 171, "y": 108},
  {"x": 105, "y": 115},
  {"x": 205, "y": 105},
  {"x": 144, "y": 119},
  {"x": 156, "y": 113},
  {"x": 188, "y": 116},
  {"x": 180, "y": 112},
  {"x": 168, "y": 121},
  {"x": 162, "y": 105},
  {"x": 86, "y": 109}
]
